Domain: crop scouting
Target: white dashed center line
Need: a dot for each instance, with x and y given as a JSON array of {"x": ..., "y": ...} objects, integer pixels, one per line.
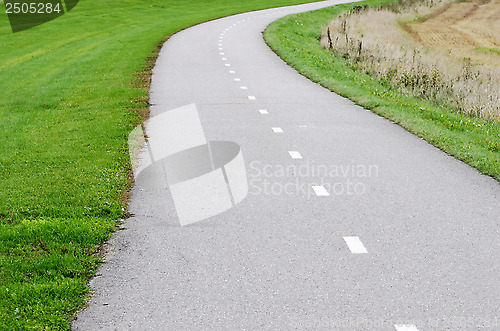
[
  {"x": 263, "y": 111},
  {"x": 295, "y": 155},
  {"x": 320, "y": 191},
  {"x": 237, "y": 79},
  {"x": 277, "y": 130},
  {"x": 221, "y": 53},
  {"x": 405, "y": 327},
  {"x": 228, "y": 65},
  {"x": 232, "y": 71},
  {"x": 224, "y": 58},
  {"x": 243, "y": 87},
  {"x": 356, "y": 247},
  {"x": 251, "y": 97}
]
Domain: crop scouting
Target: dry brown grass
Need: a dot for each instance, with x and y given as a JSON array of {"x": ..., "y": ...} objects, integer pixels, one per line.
[
  {"x": 380, "y": 43},
  {"x": 460, "y": 29}
]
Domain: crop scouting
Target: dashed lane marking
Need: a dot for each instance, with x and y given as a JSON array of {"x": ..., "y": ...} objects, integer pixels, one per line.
[
  {"x": 320, "y": 191},
  {"x": 405, "y": 327},
  {"x": 295, "y": 155},
  {"x": 356, "y": 247},
  {"x": 277, "y": 130}
]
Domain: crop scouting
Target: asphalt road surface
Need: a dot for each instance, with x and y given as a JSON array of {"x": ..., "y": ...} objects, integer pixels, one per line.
[{"x": 350, "y": 223}]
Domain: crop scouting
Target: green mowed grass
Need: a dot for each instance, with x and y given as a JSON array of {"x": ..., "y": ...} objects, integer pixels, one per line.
[
  {"x": 71, "y": 90},
  {"x": 295, "y": 38},
  {"x": 44, "y": 268}
]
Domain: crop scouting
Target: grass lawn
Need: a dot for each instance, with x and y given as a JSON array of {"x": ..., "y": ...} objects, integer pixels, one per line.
[
  {"x": 71, "y": 90},
  {"x": 295, "y": 38}
]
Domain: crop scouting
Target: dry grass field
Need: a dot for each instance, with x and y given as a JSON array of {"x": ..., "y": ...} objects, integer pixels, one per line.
[
  {"x": 463, "y": 30},
  {"x": 444, "y": 51}
]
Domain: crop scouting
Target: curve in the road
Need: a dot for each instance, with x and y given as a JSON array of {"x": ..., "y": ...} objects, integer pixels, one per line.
[{"x": 351, "y": 223}]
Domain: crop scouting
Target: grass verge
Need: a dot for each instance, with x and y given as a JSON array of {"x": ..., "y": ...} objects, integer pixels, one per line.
[
  {"x": 296, "y": 39},
  {"x": 71, "y": 90}
]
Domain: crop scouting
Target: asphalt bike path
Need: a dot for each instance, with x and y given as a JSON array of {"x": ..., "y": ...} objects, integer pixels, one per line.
[{"x": 350, "y": 222}]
